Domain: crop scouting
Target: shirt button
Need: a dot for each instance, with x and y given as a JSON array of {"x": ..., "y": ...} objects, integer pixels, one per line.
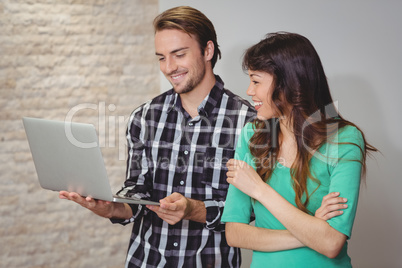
[
  {"x": 175, "y": 244},
  {"x": 181, "y": 182},
  {"x": 186, "y": 152},
  {"x": 190, "y": 124}
]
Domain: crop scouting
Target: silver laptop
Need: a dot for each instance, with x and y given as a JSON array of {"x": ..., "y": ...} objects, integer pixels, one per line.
[{"x": 67, "y": 157}]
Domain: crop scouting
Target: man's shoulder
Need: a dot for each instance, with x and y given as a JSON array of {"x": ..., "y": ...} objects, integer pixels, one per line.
[
  {"x": 161, "y": 98},
  {"x": 156, "y": 102},
  {"x": 238, "y": 101}
]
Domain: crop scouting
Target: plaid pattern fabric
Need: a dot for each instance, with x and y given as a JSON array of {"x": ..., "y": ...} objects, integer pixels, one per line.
[{"x": 171, "y": 152}]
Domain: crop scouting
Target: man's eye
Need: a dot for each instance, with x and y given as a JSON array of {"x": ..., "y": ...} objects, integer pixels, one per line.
[
  {"x": 254, "y": 82},
  {"x": 180, "y": 55},
  {"x": 161, "y": 59}
]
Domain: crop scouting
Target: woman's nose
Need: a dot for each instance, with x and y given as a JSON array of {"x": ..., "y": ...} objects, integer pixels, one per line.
[{"x": 250, "y": 90}]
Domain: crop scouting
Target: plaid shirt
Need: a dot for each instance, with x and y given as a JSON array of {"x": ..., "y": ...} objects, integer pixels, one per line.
[{"x": 171, "y": 152}]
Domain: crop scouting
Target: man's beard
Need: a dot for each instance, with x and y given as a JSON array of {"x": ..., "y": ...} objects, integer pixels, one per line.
[{"x": 193, "y": 82}]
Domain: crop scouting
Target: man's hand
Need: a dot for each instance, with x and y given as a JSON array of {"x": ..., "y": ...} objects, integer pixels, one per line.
[
  {"x": 331, "y": 206},
  {"x": 102, "y": 208},
  {"x": 176, "y": 207}
]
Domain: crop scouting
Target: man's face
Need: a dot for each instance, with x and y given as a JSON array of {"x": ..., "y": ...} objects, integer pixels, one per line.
[{"x": 180, "y": 59}]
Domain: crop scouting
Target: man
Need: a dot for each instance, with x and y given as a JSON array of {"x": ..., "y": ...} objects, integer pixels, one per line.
[{"x": 179, "y": 144}]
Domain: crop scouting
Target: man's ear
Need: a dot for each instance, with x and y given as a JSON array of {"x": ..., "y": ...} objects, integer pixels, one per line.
[{"x": 209, "y": 50}]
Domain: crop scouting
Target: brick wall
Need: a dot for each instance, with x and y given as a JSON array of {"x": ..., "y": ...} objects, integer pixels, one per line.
[{"x": 89, "y": 61}]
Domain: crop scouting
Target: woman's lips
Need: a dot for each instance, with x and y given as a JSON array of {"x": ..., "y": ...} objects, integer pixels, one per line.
[{"x": 257, "y": 104}]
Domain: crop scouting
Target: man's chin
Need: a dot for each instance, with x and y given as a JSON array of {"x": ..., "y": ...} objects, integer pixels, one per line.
[{"x": 182, "y": 90}]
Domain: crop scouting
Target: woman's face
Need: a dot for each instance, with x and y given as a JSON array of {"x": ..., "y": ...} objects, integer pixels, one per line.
[{"x": 260, "y": 90}]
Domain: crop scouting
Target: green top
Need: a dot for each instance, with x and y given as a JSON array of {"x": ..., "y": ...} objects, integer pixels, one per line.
[{"x": 334, "y": 167}]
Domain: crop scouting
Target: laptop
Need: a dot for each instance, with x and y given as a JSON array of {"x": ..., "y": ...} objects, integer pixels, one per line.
[{"x": 67, "y": 157}]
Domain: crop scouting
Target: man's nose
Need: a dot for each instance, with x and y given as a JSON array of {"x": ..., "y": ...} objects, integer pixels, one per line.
[{"x": 171, "y": 65}]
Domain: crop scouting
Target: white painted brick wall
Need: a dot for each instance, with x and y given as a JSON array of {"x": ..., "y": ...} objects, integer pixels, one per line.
[{"x": 57, "y": 56}]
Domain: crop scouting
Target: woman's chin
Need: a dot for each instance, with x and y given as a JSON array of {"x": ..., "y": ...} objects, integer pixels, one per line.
[{"x": 262, "y": 117}]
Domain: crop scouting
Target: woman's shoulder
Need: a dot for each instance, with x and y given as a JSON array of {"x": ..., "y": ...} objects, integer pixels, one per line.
[
  {"x": 249, "y": 126},
  {"x": 346, "y": 143},
  {"x": 348, "y": 134},
  {"x": 248, "y": 130}
]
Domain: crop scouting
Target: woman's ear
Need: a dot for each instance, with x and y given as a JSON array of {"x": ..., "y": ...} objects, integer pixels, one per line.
[{"x": 209, "y": 50}]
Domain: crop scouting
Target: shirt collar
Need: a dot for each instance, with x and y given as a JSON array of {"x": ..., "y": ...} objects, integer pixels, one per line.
[{"x": 207, "y": 105}]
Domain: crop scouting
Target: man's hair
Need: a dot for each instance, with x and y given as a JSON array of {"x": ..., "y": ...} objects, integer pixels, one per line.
[{"x": 191, "y": 21}]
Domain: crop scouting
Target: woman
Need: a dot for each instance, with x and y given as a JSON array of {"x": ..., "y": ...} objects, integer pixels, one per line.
[{"x": 297, "y": 151}]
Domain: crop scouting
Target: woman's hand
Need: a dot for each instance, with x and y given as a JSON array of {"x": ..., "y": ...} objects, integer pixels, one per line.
[
  {"x": 331, "y": 206},
  {"x": 244, "y": 177}
]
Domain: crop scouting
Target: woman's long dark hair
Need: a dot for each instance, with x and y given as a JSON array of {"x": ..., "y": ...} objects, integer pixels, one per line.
[{"x": 299, "y": 83}]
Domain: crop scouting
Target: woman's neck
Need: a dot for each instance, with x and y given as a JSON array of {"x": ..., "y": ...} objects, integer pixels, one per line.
[{"x": 287, "y": 143}]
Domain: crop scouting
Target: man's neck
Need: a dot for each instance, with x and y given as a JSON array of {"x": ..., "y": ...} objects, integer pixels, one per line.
[{"x": 192, "y": 100}]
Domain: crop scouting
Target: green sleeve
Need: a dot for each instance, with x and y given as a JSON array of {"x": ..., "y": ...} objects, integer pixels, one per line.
[
  {"x": 345, "y": 170},
  {"x": 238, "y": 206}
]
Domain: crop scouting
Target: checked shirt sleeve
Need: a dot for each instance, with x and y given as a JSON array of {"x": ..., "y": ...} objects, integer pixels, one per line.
[
  {"x": 214, "y": 214},
  {"x": 219, "y": 187},
  {"x": 139, "y": 179}
]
